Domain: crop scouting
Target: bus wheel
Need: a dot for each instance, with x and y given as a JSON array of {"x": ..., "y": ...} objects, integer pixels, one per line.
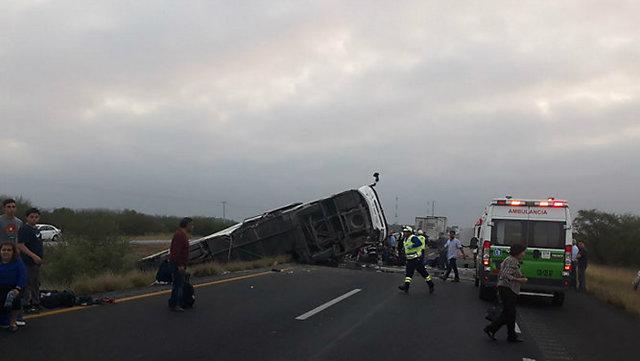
[
  {"x": 558, "y": 298},
  {"x": 487, "y": 293}
]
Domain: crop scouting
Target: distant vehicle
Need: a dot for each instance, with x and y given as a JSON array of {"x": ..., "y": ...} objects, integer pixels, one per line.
[
  {"x": 544, "y": 227},
  {"x": 432, "y": 226},
  {"x": 49, "y": 233},
  {"x": 320, "y": 231}
]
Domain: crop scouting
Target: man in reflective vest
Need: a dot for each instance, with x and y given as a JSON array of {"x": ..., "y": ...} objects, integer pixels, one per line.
[
  {"x": 413, "y": 250},
  {"x": 423, "y": 239}
]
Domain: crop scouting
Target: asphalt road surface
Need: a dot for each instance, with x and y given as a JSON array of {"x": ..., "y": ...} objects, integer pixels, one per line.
[{"x": 277, "y": 316}]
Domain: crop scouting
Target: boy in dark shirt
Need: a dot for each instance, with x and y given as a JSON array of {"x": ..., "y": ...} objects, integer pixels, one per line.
[{"x": 32, "y": 251}]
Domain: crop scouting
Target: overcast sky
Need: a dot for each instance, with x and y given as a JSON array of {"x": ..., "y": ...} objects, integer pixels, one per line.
[{"x": 171, "y": 107}]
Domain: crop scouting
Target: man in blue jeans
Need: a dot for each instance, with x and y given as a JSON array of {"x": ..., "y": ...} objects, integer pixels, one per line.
[{"x": 178, "y": 258}]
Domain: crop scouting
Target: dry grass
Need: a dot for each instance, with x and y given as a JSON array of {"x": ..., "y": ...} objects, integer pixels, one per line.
[
  {"x": 143, "y": 250},
  {"x": 152, "y": 237},
  {"x": 614, "y": 285},
  {"x": 108, "y": 282}
]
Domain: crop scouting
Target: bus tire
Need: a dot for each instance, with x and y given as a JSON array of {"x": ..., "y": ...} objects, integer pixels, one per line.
[
  {"x": 558, "y": 298},
  {"x": 487, "y": 293}
]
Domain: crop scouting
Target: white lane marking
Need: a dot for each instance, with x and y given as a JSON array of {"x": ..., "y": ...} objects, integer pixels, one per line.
[
  {"x": 528, "y": 359},
  {"x": 518, "y": 329},
  {"x": 327, "y": 305}
]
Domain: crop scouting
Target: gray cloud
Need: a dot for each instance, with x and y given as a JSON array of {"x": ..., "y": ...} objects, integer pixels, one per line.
[{"x": 173, "y": 107}]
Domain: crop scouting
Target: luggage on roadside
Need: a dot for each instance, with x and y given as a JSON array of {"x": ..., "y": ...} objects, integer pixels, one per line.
[
  {"x": 188, "y": 294},
  {"x": 57, "y": 299},
  {"x": 164, "y": 272}
]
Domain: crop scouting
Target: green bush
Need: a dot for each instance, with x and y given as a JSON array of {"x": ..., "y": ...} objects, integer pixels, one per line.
[
  {"x": 612, "y": 239},
  {"x": 86, "y": 257}
]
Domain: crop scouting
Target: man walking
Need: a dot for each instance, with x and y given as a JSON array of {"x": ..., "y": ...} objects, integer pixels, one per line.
[
  {"x": 9, "y": 223},
  {"x": 583, "y": 262},
  {"x": 32, "y": 251},
  {"x": 453, "y": 248},
  {"x": 178, "y": 258},
  {"x": 412, "y": 249}
]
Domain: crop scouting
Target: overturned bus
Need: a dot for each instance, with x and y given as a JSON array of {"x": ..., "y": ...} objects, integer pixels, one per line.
[{"x": 318, "y": 231}]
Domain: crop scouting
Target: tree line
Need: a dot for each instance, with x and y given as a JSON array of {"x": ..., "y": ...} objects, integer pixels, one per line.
[
  {"x": 101, "y": 223},
  {"x": 612, "y": 239}
]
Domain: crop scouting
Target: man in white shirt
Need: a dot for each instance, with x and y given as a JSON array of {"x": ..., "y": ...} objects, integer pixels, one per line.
[
  {"x": 454, "y": 248},
  {"x": 574, "y": 264}
]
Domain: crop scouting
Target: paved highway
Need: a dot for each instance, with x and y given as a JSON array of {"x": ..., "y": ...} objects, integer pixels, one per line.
[{"x": 317, "y": 313}]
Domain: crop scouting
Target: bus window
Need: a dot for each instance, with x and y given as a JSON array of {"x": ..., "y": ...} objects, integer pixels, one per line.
[
  {"x": 508, "y": 232},
  {"x": 545, "y": 234}
]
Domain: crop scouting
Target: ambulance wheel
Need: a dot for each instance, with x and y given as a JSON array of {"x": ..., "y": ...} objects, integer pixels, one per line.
[
  {"x": 487, "y": 293},
  {"x": 558, "y": 298}
]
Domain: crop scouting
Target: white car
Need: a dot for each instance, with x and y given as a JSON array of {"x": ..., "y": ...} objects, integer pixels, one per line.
[{"x": 49, "y": 233}]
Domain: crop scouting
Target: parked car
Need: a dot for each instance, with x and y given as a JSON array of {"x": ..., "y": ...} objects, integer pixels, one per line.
[{"x": 49, "y": 233}]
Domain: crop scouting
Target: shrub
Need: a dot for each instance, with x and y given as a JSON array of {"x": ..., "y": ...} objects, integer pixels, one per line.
[{"x": 612, "y": 239}]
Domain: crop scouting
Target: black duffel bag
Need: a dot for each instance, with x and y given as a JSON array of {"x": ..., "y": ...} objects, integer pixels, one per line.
[
  {"x": 188, "y": 295},
  {"x": 164, "y": 272},
  {"x": 57, "y": 299}
]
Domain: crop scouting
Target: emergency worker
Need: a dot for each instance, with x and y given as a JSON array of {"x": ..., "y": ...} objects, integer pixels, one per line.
[
  {"x": 423, "y": 239},
  {"x": 413, "y": 247}
]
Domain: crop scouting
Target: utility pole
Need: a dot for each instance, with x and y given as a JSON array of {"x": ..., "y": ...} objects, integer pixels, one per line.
[
  {"x": 396, "y": 209},
  {"x": 224, "y": 209},
  {"x": 433, "y": 208}
]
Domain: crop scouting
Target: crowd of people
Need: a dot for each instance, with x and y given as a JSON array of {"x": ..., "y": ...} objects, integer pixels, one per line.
[{"x": 21, "y": 251}]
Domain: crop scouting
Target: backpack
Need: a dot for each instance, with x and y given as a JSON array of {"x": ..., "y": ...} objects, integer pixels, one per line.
[
  {"x": 188, "y": 295},
  {"x": 56, "y": 299},
  {"x": 164, "y": 272}
]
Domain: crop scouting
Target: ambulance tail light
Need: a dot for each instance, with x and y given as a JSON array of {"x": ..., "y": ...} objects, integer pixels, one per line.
[
  {"x": 486, "y": 247},
  {"x": 567, "y": 258}
]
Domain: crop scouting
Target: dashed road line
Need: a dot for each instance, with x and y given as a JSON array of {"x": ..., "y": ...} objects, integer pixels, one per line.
[{"x": 324, "y": 306}]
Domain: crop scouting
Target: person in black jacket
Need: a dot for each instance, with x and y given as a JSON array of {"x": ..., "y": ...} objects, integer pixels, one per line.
[
  {"x": 583, "y": 262},
  {"x": 32, "y": 252}
]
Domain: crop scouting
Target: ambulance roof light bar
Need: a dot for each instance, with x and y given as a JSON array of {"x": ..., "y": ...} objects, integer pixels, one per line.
[{"x": 551, "y": 202}]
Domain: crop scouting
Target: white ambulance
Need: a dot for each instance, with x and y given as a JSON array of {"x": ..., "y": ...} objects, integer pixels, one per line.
[{"x": 544, "y": 227}]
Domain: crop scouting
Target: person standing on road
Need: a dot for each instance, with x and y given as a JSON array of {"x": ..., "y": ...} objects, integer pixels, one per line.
[
  {"x": 454, "y": 248},
  {"x": 178, "y": 258},
  {"x": 32, "y": 251},
  {"x": 412, "y": 249},
  {"x": 423, "y": 251},
  {"x": 9, "y": 223},
  {"x": 509, "y": 281},
  {"x": 583, "y": 262},
  {"x": 574, "y": 265}
]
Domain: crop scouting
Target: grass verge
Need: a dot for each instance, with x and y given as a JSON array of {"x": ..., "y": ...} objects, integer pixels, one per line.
[
  {"x": 108, "y": 282},
  {"x": 614, "y": 286}
]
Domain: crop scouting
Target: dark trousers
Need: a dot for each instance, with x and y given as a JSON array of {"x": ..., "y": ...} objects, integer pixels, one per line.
[
  {"x": 508, "y": 315},
  {"x": 582, "y": 276},
  {"x": 32, "y": 294},
  {"x": 573, "y": 278},
  {"x": 177, "y": 284},
  {"x": 413, "y": 265},
  {"x": 452, "y": 265}
]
